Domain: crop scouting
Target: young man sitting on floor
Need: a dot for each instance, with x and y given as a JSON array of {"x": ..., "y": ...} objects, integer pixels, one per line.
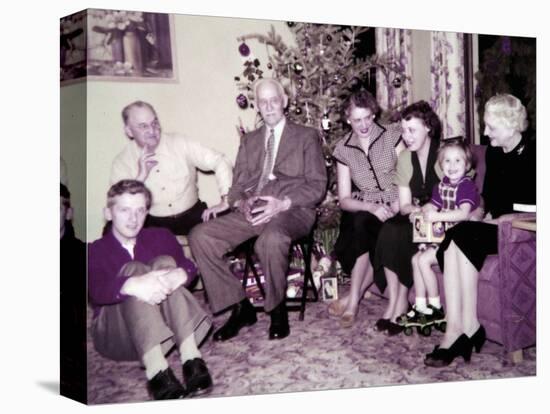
[{"x": 136, "y": 285}]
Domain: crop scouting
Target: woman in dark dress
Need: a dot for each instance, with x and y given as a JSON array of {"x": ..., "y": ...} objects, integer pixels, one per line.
[
  {"x": 415, "y": 178},
  {"x": 510, "y": 178},
  {"x": 366, "y": 160}
]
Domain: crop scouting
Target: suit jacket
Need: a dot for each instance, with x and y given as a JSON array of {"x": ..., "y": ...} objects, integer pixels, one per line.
[{"x": 299, "y": 167}]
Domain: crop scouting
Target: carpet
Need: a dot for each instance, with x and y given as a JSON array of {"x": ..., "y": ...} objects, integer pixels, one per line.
[{"x": 318, "y": 355}]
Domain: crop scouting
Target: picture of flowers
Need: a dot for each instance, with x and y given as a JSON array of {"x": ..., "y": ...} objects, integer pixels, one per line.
[{"x": 119, "y": 45}]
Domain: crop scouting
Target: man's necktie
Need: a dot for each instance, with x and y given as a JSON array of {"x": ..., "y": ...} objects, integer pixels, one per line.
[{"x": 268, "y": 161}]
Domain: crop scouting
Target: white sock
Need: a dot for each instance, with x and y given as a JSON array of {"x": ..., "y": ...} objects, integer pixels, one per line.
[
  {"x": 189, "y": 349},
  {"x": 154, "y": 362},
  {"x": 421, "y": 305},
  {"x": 435, "y": 302}
]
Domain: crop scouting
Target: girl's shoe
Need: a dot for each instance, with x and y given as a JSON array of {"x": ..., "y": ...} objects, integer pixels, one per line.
[
  {"x": 441, "y": 357},
  {"x": 479, "y": 338},
  {"x": 393, "y": 329}
]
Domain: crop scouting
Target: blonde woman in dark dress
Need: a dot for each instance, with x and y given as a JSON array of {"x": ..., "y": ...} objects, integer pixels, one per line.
[{"x": 510, "y": 178}]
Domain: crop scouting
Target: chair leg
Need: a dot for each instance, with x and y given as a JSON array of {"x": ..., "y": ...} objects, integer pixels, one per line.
[
  {"x": 308, "y": 278},
  {"x": 249, "y": 265}
]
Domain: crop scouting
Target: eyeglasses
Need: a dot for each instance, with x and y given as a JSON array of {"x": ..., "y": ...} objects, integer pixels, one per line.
[{"x": 143, "y": 127}]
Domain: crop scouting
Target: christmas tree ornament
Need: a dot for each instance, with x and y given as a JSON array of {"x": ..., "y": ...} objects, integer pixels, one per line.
[
  {"x": 298, "y": 110},
  {"x": 269, "y": 66},
  {"x": 242, "y": 101},
  {"x": 329, "y": 38},
  {"x": 396, "y": 82},
  {"x": 298, "y": 68},
  {"x": 244, "y": 50},
  {"x": 325, "y": 122},
  {"x": 290, "y": 24}
]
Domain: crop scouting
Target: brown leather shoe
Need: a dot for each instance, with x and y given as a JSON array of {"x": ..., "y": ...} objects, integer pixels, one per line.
[
  {"x": 347, "y": 320},
  {"x": 336, "y": 308}
]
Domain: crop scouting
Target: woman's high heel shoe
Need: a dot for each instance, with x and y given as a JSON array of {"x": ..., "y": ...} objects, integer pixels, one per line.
[
  {"x": 441, "y": 357},
  {"x": 479, "y": 338}
]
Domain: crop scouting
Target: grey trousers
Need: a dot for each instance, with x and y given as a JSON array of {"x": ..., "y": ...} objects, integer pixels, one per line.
[
  {"x": 210, "y": 241},
  {"x": 127, "y": 330}
]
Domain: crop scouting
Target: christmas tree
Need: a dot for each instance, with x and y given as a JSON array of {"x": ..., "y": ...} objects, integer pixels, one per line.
[{"x": 318, "y": 74}]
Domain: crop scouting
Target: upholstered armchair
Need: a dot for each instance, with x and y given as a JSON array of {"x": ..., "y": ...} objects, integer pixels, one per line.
[{"x": 507, "y": 288}]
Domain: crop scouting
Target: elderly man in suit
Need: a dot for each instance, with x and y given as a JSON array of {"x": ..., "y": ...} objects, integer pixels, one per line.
[{"x": 279, "y": 178}]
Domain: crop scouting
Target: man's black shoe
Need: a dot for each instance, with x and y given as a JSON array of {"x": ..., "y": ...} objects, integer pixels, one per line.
[
  {"x": 165, "y": 386},
  {"x": 197, "y": 378},
  {"x": 243, "y": 314},
  {"x": 279, "y": 328}
]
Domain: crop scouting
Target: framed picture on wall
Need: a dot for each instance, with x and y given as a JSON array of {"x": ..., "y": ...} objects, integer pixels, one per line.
[{"x": 118, "y": 45}]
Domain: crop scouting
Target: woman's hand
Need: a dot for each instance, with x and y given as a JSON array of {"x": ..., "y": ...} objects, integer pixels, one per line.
[
  {"x": 382, "y": 212},
  {"x": 414, "y": 210}
]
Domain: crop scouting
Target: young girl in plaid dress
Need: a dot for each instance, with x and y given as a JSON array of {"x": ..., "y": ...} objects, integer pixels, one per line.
[{"x": 453, "y": 199}]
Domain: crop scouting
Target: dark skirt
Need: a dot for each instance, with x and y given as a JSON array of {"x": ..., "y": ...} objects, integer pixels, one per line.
[
  {"x": 358, "y": 234},
  {"x": 394, "y": 250},
  {"x": 475, "y": 239}
]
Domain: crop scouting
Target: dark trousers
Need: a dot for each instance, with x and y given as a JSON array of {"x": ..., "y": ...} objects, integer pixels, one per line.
[
  {"x": 127, "y": 330},
  {"x": 179, "y": 224}
]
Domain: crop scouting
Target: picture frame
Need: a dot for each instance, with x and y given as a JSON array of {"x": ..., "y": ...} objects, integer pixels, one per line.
[
  {"x": 424, "y": 232},
  {"x": 117, "y": 45},
  {"x": 329, "y": 288}
]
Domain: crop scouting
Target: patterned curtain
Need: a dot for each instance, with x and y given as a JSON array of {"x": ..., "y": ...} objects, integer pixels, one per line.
[
  {"x": 447, "y": 81},
  {"x": 393, "y": 83}
]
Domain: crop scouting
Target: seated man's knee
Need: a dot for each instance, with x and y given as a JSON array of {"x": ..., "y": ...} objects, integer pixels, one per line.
[
  {"x": 196, "y": 235},
  {"x": 134, "y": 268},
  {"x": 272, "y": 239},
  {"x": 163, "y": 262}
]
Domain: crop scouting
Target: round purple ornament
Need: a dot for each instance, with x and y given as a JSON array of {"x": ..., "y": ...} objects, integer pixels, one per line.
[
  {"x": 244, "y": 50},
  {"x": 242, "y": 101}
]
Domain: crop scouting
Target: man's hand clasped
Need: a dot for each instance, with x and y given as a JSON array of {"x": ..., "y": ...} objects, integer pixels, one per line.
[
  {"x": 153, "y": 287},
  {"x": 260, "y": 210}
]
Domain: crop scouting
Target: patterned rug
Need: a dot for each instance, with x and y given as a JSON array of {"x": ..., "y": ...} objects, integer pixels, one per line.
[{"x": 318, "y": 355}]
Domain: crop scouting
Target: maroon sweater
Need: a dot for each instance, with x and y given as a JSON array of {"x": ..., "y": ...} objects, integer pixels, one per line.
[{"x": 106, "y": 256}]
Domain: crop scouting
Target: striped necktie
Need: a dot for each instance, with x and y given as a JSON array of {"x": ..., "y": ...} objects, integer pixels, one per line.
[{"x": 268, "y": 161}]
